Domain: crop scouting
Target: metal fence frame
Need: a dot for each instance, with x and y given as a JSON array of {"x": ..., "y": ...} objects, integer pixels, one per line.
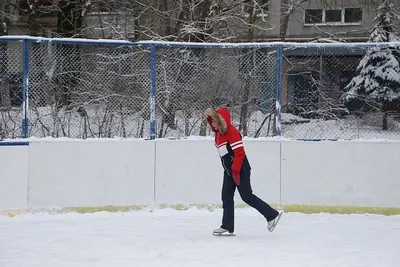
[{"x": 278, "y": 46}]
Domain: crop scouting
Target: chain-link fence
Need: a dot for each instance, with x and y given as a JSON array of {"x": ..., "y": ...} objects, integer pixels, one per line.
[
  {"x": 341, "y": 91},
  {"x": 11, "y": 95},
  {"x": 191, "y": 79},
  {"x": 88, "y": 89}
]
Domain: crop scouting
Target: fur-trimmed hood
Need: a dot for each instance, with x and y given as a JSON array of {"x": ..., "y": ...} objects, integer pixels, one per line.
[{"x": 221, "y": 115}]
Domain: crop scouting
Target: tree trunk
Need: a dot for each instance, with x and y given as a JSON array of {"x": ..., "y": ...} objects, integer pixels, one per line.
[{"x": 69, "y": 24}]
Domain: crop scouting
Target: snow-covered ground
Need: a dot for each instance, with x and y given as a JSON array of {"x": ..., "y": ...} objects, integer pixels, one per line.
[
  {"x": 183, "y": 238},
  {"x": 44, "y": 122}
]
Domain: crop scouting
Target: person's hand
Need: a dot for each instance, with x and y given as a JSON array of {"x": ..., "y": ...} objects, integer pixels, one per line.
[{"x": 236, "y": 177}]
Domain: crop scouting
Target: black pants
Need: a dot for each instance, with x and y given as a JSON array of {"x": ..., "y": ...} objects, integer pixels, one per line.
[{"x": 246, "y": 193}]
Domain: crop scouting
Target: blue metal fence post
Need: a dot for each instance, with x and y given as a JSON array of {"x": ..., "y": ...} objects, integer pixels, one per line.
[
  {"x": 25, "y": 85},
  {"x": 278, "y": 124},
  {"x": 153, "y": 90}
]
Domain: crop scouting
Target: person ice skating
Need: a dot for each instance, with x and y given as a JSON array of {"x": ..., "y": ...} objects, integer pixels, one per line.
[{"x": 228, "y": 142}]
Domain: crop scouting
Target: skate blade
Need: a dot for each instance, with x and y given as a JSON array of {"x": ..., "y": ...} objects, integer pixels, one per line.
[
  {"x": 224, "y": 234},
  {"x": 277, "y": 220}
]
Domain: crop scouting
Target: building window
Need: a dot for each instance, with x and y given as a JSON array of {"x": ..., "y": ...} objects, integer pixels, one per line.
[
  {"x": 333, "y": 16},
  {"x": 45, "y": 8},
  {"x": 313, "y": 16},
  {"x": 259, "y": 8},
  {"x": 104, "y": 7},
  {"x": 263, "y": 5},
  {"x": 303, "y": 92},
  {"x": 352, "y": 15}
]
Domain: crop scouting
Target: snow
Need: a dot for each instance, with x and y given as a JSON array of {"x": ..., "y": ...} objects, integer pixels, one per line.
[
  {"x": 183, "y": 238},
  {"x": 379, "y": 70},
  {"x": 44, "y": 122},
  {"x": 193, "y": 44},
  {"x": 193, "y": 138}
]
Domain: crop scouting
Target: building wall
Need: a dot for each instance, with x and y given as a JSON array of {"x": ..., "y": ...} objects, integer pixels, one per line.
[
  {"x": 268, "y": 27},
  {"x": 299, "y": 28},
  {"x": 121, "y": 25}
]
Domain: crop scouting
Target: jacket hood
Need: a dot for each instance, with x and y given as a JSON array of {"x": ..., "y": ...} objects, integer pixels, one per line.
[{"x": 221, "y": 116}]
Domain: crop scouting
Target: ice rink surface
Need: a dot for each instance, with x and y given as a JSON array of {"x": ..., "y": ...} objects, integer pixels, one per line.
[{"x": 184, "y": 238}]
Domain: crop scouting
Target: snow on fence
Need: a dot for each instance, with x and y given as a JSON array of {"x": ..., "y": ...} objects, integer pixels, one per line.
[{"x": 82, "y": 88}]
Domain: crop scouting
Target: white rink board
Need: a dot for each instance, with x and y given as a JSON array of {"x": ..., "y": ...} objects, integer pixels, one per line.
[
  {"x": 59, "y": 173},
  {"x": 190, "y": 172},
  {"x": 13, "y": 177},
  {"x": 187, "y": 172},
  {"x": 265, "y": 169},
  {"x": 341, "y": 173},
  {"x": 91, "y": 173}
]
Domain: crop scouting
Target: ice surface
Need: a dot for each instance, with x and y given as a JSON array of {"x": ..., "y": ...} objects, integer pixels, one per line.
[{"x": 183, "y": 238}]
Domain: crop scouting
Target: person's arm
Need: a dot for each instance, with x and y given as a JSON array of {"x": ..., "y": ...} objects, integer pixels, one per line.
[{"x": 235, "y": 141}]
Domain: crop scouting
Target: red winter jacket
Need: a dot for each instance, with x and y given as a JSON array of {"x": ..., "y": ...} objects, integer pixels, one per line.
[{"x": 229, "y": 143}]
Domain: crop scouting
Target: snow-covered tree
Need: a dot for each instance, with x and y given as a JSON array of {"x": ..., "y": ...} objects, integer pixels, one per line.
[{"x": 377, "y": 83}]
